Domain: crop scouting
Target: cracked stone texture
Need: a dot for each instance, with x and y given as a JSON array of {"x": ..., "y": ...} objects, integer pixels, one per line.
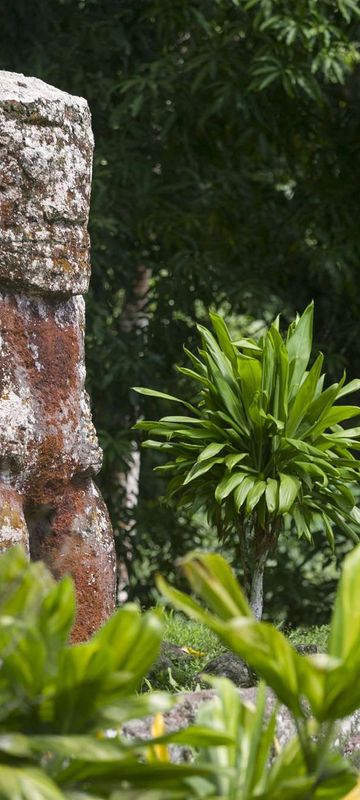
[
  {"x": 49, "y": 452},
  {"x": 46, "y": 148}
]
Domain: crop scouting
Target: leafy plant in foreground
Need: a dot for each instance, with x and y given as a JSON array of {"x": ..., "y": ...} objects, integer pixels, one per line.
[
  {"x": 58, "y": 700},
  {"x": 262, "y": 445},
  {"x": 318, "y": 690}
]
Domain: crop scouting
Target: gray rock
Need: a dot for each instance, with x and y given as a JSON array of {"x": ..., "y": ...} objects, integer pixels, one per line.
[
  {"x": 306, "y": 649},
  {"x": 229, "y": 665}
]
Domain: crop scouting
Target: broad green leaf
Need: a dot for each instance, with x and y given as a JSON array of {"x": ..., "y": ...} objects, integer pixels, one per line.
[
  {"x": 200, "y": 468},
  {"x": 268, "y": 367},
  {"x": 348, "y": 496},
  {"x": 195, "y": 736},
  {"x": 228, "y": 484},
  {"x": 27, "y": 783},
  {"x": 303, "y": 397},
  {"x": 163, "y": 396},
  {"x": 347, "y": 433},
  {"x": 272, "y": 495},
  {"x": 254, "y": 495},
  {"x": 241, "y": 492},
  {"x": 355, "y": 513},
  {"x": 281, "y": 389},
  {"x": 183, "y": 602},
  {"x": 288, "y": 491},
  {"x": 345, "y": 623},
  {"x": 152, "y": 444},
  {"x": 85, "y": 748},
  {"x": 136, "y": 706},
  {"x": 57, "y": 614},
  {"x": 339, "y": 519},
  {"x": 221, "y": 361},
  {"x": 311, "y": 469},
  {"x": 223, "y": 336},
  {"x": 318, "y": 410},
  {"x": 247, "y": 344},
  {"x": 210, "y": 576},
  {"x": 237, "y": 427},
  {"x": 178, "y": 420},
  {"x": 355, "y": 793},
  {"x": 352, "y": 386},
  {"x": 301, "y": 524},
  {"x": 250, "y": 374},
  {"x": 228, "y": 398},
  {"x": 268, "y": 652},
  {"x": 339, "y": 413},
  {"x": 15, "y": 744},
  {"x": 199, "y": 366},
  {"x": 190, "y": 373},
  {"x": 233, "y": 460},
  {"x": 329, "y": 531},
  {"x": 211, "y": 450}
]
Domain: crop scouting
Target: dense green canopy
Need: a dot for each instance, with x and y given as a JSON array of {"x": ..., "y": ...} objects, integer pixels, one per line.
[{"x": 226, "y": 175}]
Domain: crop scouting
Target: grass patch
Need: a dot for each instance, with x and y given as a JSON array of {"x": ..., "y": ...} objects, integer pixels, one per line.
[
  {"x": 187, "y": 633},
  {"x": 203, "y": 645},
  {"x": 315, "y": 634},
  {"x": 179, "y": 630}
]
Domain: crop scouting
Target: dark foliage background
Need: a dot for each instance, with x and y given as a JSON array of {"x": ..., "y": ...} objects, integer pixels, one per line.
[{"x": 226, "y": 174}]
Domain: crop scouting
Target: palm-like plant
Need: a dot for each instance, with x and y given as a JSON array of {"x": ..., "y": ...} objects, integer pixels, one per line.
[{"x": 262, "y": 445}]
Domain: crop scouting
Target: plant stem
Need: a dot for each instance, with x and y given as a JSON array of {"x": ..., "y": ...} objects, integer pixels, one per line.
[{"x": 305, "y": 745}]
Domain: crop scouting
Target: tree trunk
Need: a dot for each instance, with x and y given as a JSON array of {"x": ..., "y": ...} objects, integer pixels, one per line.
[
  {"x": 256, "y": 598},
  {"x": 254, "y": 547},
  {"x": 133, "y": 319}
]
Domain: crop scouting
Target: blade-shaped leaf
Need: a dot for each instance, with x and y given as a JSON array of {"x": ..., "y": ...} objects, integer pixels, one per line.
[
  {"x": 200, "y": 468},
  {"x": 298, "y": 345}
]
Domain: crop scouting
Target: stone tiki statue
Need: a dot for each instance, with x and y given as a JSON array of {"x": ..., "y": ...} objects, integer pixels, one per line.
[{"x": 49, "y": 452}]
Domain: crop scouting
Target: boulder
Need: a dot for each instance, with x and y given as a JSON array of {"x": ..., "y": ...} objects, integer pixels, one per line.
[{"x": 229, "y": 665}]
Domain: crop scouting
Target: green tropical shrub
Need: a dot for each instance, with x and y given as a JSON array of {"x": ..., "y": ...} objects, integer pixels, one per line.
[
  {"x": 318, "y": 690},
  {"x": 58, "y": 700},
  {"x": 262, "y": 447}
]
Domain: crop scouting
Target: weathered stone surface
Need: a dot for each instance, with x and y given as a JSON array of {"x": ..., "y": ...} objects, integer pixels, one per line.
[
  {"x": 46, "y": 148},
  {"x": 49, "y": 450}
]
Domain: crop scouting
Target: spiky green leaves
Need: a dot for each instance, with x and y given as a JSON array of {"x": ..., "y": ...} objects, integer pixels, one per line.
[{"x": 263, "y": 439}]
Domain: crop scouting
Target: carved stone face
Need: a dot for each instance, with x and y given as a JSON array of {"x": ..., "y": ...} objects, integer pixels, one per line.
[{"x": 46, "y": 148}]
